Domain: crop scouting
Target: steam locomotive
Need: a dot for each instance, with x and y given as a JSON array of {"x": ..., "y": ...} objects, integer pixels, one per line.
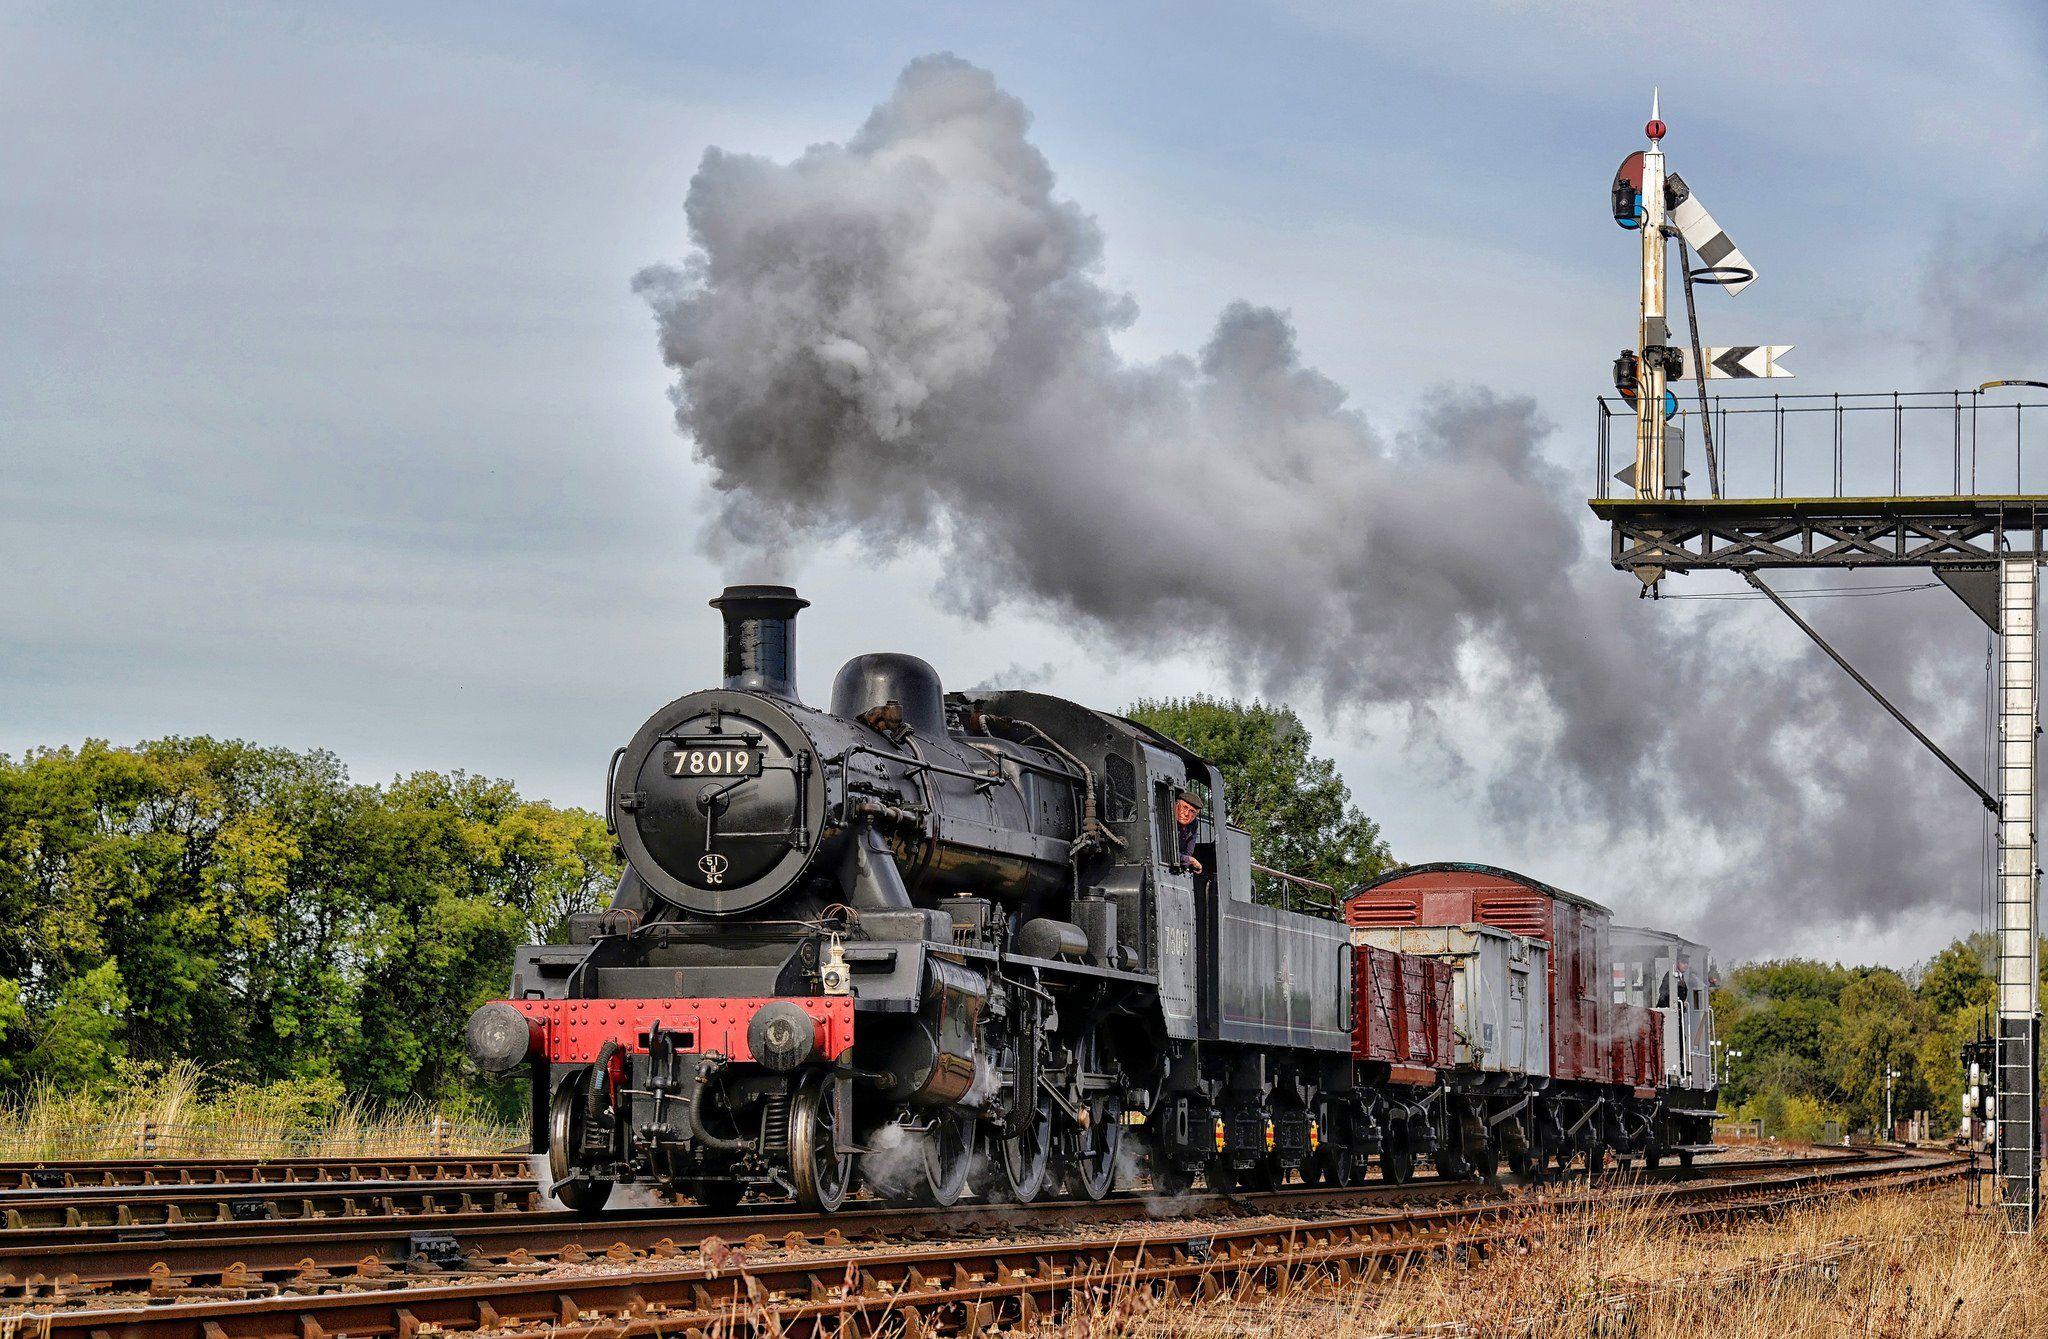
[{"x": 949, "y": 944}]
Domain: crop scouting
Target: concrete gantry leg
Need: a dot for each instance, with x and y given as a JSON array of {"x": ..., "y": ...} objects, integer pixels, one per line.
[{"x": 2018, "y": 1129}]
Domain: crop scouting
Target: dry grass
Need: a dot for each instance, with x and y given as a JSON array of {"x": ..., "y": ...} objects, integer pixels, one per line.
[
  {"x": 1906, "y": 1264},
  {"x": 173, "y": 1116}
]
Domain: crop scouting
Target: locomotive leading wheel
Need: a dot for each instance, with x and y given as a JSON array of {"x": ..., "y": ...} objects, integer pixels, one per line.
[
  {"x": 568, "y": 1182},
  {"x": 820, "y": 1175}
]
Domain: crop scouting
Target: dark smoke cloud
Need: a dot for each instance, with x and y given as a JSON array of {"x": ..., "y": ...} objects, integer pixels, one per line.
[{"x": 905, "y": 337}]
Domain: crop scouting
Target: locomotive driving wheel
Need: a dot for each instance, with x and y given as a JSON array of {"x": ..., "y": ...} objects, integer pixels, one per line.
[
  {"x": 568, "y": 1123},
  {"x": 1020, "y": 1165},
  {"x": 948, "y": 1159},
  {"x": 1091, "y": 1170},
  {"x": 820, "y": 1174}
]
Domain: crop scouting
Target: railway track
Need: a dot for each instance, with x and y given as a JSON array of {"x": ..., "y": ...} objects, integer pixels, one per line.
[
  {"x": 996, "y": 1262},
  {"x": 277, "y": 1239},
  {"x": 105, "y": 1172},
  {"x": 124, "y": 1213}
]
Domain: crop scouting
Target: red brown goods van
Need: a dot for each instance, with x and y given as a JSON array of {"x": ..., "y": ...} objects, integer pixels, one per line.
[
  {"x": 1638, "y": 1047},
  {"x": 1402, "y": 1013},
  {"x": 1589, "y": 1041}
]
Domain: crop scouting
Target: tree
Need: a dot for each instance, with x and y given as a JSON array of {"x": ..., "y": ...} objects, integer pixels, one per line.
[
  {"x": 1877, "y": 1027},
  {"x": 1295, "y": 806},
  {"x": 1959, "y": 976},
  {"x": 255, "y": 912},
  {"x": 1777, "y": 1014}
]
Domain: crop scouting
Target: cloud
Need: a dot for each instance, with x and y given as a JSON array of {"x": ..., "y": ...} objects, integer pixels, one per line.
[
  {"x": 1984, "y": 303},
  {"x": 905, "y": 338}
]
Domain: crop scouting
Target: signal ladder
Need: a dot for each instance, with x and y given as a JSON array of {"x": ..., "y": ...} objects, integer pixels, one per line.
[{"x": 2017, "y": 1128}]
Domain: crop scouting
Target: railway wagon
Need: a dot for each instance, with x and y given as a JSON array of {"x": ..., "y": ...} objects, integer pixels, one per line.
[
  {"x": 1672, "y": 977},
  {"x": 1601, "y": 1090}
]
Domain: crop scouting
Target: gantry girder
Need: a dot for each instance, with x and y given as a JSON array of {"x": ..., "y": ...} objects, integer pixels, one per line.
[{"x": 1681, "y": 535}]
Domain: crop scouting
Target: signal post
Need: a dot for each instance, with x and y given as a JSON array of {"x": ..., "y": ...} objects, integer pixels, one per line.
[{"x": 1986, "y": 547}]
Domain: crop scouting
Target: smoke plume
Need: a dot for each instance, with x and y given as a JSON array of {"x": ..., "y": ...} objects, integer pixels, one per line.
[{"x": 905, "y": 337}]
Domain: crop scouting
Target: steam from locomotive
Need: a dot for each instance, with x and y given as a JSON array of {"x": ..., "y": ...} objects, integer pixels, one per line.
[{"x": 907, "y": 336}]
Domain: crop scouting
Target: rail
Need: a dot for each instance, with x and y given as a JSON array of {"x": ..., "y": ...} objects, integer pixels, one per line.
[{"x": 1876, "y": 444}]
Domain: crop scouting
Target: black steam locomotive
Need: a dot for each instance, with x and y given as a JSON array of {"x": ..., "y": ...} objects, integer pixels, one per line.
[{"x": 939, "y": 942}]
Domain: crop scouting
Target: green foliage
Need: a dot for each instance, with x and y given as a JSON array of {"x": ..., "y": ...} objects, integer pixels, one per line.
[
  {"x": 80, "y": 1045},
  {"x": 254, "y": 912},
  {"x": 1877, "y": 1027},
  {"x": 1825, "y": 1034},
  {"x": 1959, "y": 977},
  {"x": 1295, "y": 806},
  {"x": 1789, "y": 1116}
]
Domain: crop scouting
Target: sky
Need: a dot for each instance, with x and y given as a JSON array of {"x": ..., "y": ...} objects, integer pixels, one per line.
[{"x": 329, "y": 415}]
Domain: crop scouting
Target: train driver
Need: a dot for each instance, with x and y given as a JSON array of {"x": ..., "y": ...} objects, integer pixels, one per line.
[{"x": 1185, "y": 815}]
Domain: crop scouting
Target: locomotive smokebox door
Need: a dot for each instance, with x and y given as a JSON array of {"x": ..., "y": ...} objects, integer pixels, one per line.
[{"x": 719, "y": 800}]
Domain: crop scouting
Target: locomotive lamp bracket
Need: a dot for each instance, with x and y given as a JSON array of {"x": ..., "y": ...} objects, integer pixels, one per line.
[{"x": 834, "y": 976}]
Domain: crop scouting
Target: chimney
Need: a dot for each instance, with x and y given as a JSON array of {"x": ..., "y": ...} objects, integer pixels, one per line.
[{"x": 760, "y": 638}]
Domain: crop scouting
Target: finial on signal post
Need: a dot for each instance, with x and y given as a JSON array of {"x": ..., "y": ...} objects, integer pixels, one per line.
[{"x": 1655, "y": 129}]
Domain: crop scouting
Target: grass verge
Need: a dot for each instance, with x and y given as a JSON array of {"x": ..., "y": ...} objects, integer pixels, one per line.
[
  {"x": 1907, "y": 1263},
  {"x": 174, "y": 1114}
]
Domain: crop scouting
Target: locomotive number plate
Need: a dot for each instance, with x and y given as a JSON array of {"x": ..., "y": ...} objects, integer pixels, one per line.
[{"x": 714, "y": 760}]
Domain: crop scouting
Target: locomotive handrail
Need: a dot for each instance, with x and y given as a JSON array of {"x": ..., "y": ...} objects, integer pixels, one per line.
[
  {"x": 611, "y": 778},
  {"x": 1293, "y": 878},
  {"x": 983, "y": 779},
  {"x": 1329, "y": 906},
  {"x": 998, "y": 757}
]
